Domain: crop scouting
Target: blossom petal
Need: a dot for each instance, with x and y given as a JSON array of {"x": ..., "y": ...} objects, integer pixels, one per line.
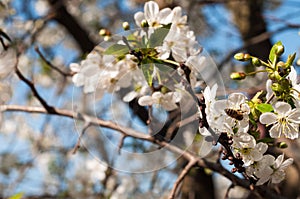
[
  {"x": 151, "y": 10},
  {"x": 268, "y": 118},
  {"x": 282, "y": 108},
  {"x": 236, "y": 98},
  {"x": 275, "y": 131},
  {"x": 145, "y": 101},
  {"x": 130, "y": 96},
  {"x": 139, "y": 17},
  {"x": 165, "y": 16},
  {"x": 294, "y": 116}
]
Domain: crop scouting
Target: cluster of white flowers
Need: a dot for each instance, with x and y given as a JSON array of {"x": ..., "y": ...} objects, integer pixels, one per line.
[
  {"x": 284, "y": 122},
  {"x": 104, "y": 72},
  {"x": 164, "y": 38}
]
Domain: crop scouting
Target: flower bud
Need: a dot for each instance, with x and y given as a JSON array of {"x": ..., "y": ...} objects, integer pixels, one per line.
[
  {"x": 144, "y": 24},
  {"x": 256, "y": 62},
  {"x": 126, "y": 25},
  {"x": 242, "y": 56},
  {"x": 238, "y": 75},
  {"x": 279, "y": 50},
  {"x": 104, "y": 32},
  {"x": 282, "y": 145},
  {"x": 106, "y": 37}
]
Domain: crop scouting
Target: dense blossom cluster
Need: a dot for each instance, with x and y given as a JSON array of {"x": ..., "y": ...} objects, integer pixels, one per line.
[{"x": 164, "y": 38}]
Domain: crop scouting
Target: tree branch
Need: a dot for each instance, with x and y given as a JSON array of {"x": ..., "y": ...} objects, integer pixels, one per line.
[
  {"x": 189, "y": 156},
  {"x": 182, "y": 175},
  {"x": 30, "y": 84}
]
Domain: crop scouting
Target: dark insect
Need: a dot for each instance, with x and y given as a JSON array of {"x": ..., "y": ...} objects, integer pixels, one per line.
[{"x": 236, "y": 114}]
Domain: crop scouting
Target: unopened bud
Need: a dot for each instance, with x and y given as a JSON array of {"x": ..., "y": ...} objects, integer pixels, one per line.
[
  {"x": 238, "y": 75},
  {"x": 144, "y": 24},
  {"x": 126, "y": 25},
  {"x": 279, "y": 50},
  {"x": 291, "y": 59},
  {"x": 282, "y": 145},
  {"x": 104, "y": 32},
  {"x": 106, "y": 37},
  {"x": 256, "y": 62},
  {"x": 242, "y": 56}
]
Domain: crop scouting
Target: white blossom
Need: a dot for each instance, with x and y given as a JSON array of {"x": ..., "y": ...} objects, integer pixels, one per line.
[
  {"x": 167, "y": 101},
  {"x": 246, "y": 146},
  {"x": 96, "y": 170},
  {"x": 236, "y": 102},
  {"x": 269, "y": 169},
  {"x": 285, "y": 121},
  {"x": 153, "y": 15}
]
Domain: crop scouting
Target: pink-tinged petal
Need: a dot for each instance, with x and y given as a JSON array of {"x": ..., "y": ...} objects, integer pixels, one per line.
[
  {"x": 282, "y": 108},
  {"x": 275, "y": 131},
  {"x": 145, "y": 101},
  {"x": 151, "y": 10},
  {"x": 294, "y": 116},
  {"x": 268, "y": 118}
]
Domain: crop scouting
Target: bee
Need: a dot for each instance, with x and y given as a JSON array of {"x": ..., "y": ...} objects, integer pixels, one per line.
[{"x": 236, "y": 114}]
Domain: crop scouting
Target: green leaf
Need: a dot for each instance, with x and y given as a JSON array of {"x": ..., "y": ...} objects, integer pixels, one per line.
[
  {"x": 148, "y": 71},
  {"x": 117, "y": 50},
  {"x": 266, "y": 140},
  {"x": 290, "y": 59},
  {"x": 264, "y": 107},
  {"x": 157, "y": 37},
  {"x": 17, "y": 196},
  {"x": 272, "y": 55}
]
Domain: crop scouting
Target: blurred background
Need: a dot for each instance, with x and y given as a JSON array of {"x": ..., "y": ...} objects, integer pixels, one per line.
[{"x": 36, "y": 159}]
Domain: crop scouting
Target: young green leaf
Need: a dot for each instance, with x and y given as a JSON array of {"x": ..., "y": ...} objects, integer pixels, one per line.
[
  {"x": 157, "y": 37},
  {"x": 148, "y": 71},
  {"x": 117, "y": 50},
  {"x": 264, "y": 107},
  {"x": 273, "y": 52}
]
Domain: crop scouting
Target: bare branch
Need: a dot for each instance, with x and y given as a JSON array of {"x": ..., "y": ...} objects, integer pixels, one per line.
[
  {"x": 189, "y": 156},
  {"x": 182, "y": 175},
  {"x": 30, "y": 84},
  {"x": 121, "y": 143},
  {"x": 65, "y": 74},
  {"x": 77, "y": 146}
]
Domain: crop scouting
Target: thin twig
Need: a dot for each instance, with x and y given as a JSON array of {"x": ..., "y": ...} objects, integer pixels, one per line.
[
  {"x": 189, "y": 156},
  {"x": 121, "y": 143},
  {"x": 77, "y": 146},
  {"x": 180, "y": 178},
  {"x": 50, "y": 64},
  {"x": 30, "y": 84}
]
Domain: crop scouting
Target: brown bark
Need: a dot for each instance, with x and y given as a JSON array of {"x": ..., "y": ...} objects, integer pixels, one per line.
[{"x": 247, "y": 15}]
